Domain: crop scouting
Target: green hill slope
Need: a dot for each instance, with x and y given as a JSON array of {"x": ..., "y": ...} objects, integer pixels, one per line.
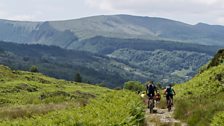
[
  {"x": 34, "y": 99},
  {"x": 200, "y": 101}
]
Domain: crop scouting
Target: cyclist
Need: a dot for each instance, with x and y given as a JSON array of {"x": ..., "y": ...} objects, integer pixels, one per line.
[
  {"x": 150, "y": 91},
  {"x": 169, "y": 92}
]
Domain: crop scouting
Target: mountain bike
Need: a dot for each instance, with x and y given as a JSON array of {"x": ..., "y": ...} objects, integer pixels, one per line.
[
  {"x": 169, "y": 104},
  {"x": 151, "y": 104}
]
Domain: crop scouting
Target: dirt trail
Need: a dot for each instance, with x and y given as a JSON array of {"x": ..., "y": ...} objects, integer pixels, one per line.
[{"x": 161, "y": 117}]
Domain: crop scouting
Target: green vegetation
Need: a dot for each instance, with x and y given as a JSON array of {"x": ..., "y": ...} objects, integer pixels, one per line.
[
  {"x": 218, "y": 59},
  {"x": 146, "y": 61},
  {"x": 34, "y": 99},
  {"x": 218, "y": 119},
  {"x": 64, "y": 64},
  {"x": 33, "y": 69},
  {"x": 104, "y": 45},
  {"x": 199, "y": 100},
  {"x": 134, "y": 86},
  {"x": 175, "y": 66}
]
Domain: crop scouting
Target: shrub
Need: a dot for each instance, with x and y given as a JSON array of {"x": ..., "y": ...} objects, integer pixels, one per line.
[
  {"x": 134, "y": 86},
  {"x": 34, "y": 69}
]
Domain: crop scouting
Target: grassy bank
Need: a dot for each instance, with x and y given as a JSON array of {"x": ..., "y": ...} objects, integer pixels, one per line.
[
  {"x": 34, "y": 99},
  {"x": 199, "y": 100}
]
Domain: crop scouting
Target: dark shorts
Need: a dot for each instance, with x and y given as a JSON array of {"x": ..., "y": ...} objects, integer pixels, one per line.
[{"x": 169, "y": 95}]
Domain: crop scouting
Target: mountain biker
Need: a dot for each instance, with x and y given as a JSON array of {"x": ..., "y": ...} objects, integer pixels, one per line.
[
  {"x": 169, "y": 92},
  {"x": 150, "y": 90}
]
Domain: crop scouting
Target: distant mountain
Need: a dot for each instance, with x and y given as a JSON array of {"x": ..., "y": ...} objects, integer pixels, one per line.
[
  {"x": 112, "y": 49},
  {"x": 35, "y": 33},
  {"x": 65, "y": 33}
]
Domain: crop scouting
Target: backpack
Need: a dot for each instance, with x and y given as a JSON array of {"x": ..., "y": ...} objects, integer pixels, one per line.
[
  {"x": 169, "y": 91},
  {"x": 151, "y": 88}
]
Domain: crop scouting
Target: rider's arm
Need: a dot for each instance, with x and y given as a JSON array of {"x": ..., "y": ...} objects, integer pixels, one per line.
[{"x": 174, "y": 91}]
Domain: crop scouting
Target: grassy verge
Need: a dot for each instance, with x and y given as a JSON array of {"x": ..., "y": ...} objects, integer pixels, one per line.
[{"x": 199, "y": 111}]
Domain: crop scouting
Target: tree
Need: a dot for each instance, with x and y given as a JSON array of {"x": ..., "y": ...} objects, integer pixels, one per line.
[
  {"x": 102, "y": 84},
  {"x": 134, "y": 86},
  {"x": 78, "y": 77},
  {"x": 34, "y": 69}
]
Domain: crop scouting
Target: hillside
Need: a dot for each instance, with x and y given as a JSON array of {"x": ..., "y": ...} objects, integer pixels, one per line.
[
  {"x": 107, "y": 37},
  {"x": 34, "y": 99},
  {"x": 104, "y": 45},
  {"x": 167, "y": 66},
  {"x": 64, "y": 64},
  {"x": 65, "y": 33},
  {"x": 113, "y": 68},
  {"x": 172, "y": 61},
  {"x": 205, "y": 92}
]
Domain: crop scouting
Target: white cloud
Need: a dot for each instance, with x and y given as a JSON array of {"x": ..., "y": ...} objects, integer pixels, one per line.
[
  {"x": 177, "y": 9},
  {"x": 158, "y": 5},
  {"x": 190, "y": 11},
  {"x": 220, "y": 20},
  {"x": 102, "y": 5},
  {"x": 2, "y": 13},
  {"x": 23, "y": 17}
]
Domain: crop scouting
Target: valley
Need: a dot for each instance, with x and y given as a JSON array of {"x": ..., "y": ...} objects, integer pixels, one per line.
[{"x": 114, "y": 57}]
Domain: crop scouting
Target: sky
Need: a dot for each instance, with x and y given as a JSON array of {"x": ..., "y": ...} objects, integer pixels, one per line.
[{"x": 188, "y": 11}]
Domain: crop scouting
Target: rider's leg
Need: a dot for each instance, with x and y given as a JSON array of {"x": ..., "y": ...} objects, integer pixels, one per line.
[{"x": 153, "y": 95}]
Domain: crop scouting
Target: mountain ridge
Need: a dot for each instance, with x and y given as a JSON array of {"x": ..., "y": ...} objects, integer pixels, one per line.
[{"x": 114, "y": 26}]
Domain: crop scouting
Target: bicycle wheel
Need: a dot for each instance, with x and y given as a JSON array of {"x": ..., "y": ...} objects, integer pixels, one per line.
[
  {"x": 151, "y": 105},
  {"x": 169, "y": 104}
]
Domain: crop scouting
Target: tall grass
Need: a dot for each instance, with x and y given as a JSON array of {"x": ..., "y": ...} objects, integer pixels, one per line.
[
  {"x": 29, "y": 99},
  {"x": 113, "y": 108}
]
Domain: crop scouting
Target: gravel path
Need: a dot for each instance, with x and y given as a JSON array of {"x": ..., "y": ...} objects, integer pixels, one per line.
[{"x": 161, "y": 117}]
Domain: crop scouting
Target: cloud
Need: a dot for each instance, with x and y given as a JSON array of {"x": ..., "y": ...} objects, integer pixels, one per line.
[
  {"x": 23, "y": 17},
  {"x": 190, "y": 11},
  {"x": 220, "y": 20},
  {"x": 139, "y": 5},
  {"x": 177, "y": 9},
  {"x": 2, "y": 13}
]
